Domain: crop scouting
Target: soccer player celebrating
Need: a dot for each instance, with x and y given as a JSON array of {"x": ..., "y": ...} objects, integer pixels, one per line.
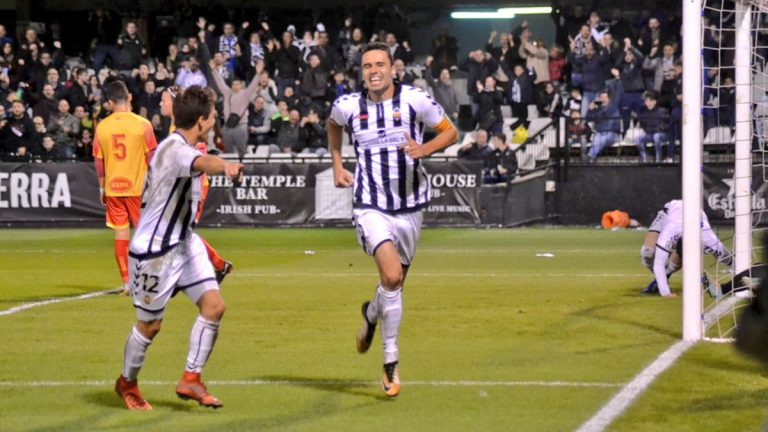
[
  {"x": 166, "y": 256},
  {"x": 220, "y": 265},
  {"x": 390, "y": 186},
  {"x": 122, "y": 148}
]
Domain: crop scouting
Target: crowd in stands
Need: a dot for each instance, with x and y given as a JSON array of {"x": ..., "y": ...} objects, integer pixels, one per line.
[{"x": 604, "y": 73}]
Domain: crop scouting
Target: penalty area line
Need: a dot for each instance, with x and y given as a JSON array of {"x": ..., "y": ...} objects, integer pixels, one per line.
[
  {"x": 324, "y": 383},
  {"x": 26, "y": 306}
]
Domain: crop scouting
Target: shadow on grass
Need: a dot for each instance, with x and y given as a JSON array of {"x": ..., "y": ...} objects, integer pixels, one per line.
[
  {"x": 738, "y": 400},
  {"x": 613, "y": 313},
  {"x": 56, "y": 293},
  {"x": 752, "y": 368},
  {"x": 176, "y": 405},
  {"x": 108, "y": 399},
  {"x": 309, "y": 410},
  {"x": 104, "y": 398},
  {"x": 342, "y": 386}
]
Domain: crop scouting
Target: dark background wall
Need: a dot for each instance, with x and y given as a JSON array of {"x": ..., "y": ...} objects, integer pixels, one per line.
[{"x": 638, "y": 190}]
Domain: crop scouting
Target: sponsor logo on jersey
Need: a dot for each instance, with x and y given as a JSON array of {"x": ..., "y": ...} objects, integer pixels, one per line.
[{"x": 120, "y": 184}]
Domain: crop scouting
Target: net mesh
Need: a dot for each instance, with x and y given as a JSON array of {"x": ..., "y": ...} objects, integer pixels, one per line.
[{"x": 720, "y": 20}]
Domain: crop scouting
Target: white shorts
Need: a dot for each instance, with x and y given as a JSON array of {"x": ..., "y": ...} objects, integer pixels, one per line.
[
  {"x": 375, "y": 227},
  {"x": 154, "y": 281}
]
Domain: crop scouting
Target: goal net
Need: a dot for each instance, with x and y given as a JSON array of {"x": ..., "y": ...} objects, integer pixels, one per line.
[{"x": 733, "y": 131}]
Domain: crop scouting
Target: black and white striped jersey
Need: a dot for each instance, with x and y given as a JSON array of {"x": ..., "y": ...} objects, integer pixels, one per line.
[
  {"x": 385, "y": 177},
  {"x": 170, "y": 199}
]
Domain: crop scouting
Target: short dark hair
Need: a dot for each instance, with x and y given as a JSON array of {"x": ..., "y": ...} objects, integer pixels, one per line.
[
  {"x": 194, "y": 102},
  {"x": 379, "y": 46},
  {"x": 116, "y": 92},
  {"x": 650, "y": 94},
  {"x": 501, "y": 136}
]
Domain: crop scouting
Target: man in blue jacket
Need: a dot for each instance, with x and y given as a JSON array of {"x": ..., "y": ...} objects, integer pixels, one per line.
[
  {"x": 604, "y": 112},
  {"x": 594, "y": 70},
  {"x": 654, "y": 120}
]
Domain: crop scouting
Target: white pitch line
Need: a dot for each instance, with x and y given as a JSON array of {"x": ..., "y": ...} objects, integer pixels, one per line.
[
  {"x": 447, "y": 274},
  {"x": 356, "y": 251},
  {"x": 630, "y": 392},
  {"x": 623, "y": 399},
  {"x": 41, "y": 303},
  {"x": 33, "y": 305},
  {"x": 325, "y": 383}
]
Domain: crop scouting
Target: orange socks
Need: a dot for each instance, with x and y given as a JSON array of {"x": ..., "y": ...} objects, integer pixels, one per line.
[
  {"x": 213, "y": 256},
  {"x": 121, "y": 255}
]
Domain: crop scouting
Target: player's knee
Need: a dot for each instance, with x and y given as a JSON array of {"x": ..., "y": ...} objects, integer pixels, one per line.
[
  {"x": 392, "y": 279},
  {"x": 213, "y": 311},
  {"x": 149, "y": 329}
]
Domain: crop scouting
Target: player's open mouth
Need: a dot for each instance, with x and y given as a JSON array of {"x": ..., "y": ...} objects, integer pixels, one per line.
[{"x": 375, "y": 80}]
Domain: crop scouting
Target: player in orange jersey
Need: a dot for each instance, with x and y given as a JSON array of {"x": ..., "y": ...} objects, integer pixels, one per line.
[
  {"x": 221, "y": 266},
  {"x": 122, "y": 148}
]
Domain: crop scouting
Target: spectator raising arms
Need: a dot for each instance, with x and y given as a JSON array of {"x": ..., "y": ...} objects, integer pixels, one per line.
[
  {"x": 478, "y": 65},
  {"x": 605, "y": 113},
  {"x": 442, "y": 90},
  {"x": 489, "y": 100},
  {"x": 236, "y": 101}
]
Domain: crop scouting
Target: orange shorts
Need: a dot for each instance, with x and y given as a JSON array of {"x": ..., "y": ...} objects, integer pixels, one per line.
[{"x": 123, "y": 212}]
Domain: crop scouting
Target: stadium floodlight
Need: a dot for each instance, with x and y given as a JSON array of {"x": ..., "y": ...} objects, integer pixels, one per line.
[
  {"x": 481, "y": 15},
  {"x": 533, "y": 10}
]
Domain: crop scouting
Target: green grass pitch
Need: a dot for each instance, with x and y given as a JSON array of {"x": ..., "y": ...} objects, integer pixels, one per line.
[{"x": 494, "y": 338}]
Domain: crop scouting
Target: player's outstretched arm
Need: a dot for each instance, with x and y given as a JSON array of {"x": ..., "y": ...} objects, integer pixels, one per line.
[
  {"x": 342, "y": 177},
  {"x": 214, "y": 165}
]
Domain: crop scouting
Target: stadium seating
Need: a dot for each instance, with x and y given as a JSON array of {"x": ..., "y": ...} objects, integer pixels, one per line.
[{"x": 718, "y": 135}]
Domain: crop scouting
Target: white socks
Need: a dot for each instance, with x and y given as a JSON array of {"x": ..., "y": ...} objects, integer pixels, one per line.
[
  {"x": 372, "y": 313},
  {"x": 201, "y": 341},
  {"x": 390, "y": 305},
  {"x": 133, "y": 356}
]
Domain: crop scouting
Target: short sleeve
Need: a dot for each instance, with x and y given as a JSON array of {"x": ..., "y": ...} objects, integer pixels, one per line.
[
  {"x": 668, "y": 237},
  {"x": 339, "y": 111},
  {"x": 427, "y": 109},
  {"x": 181, "y": 157}
]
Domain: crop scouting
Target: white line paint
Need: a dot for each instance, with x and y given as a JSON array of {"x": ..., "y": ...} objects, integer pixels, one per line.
[
  {"x": 512, "y": 250},
  {"x": 324, "y": 383},
  {"x": 630, "y": 392},
  {"x": 416, "y": 274},
  {"x": 622, "y": 400},
  {"x": 33, "y": 305},
  {"x": 236, "y": 274}
]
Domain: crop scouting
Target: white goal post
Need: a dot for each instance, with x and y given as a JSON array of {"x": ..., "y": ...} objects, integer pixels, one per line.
[{"x": 743, "y": 66}]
